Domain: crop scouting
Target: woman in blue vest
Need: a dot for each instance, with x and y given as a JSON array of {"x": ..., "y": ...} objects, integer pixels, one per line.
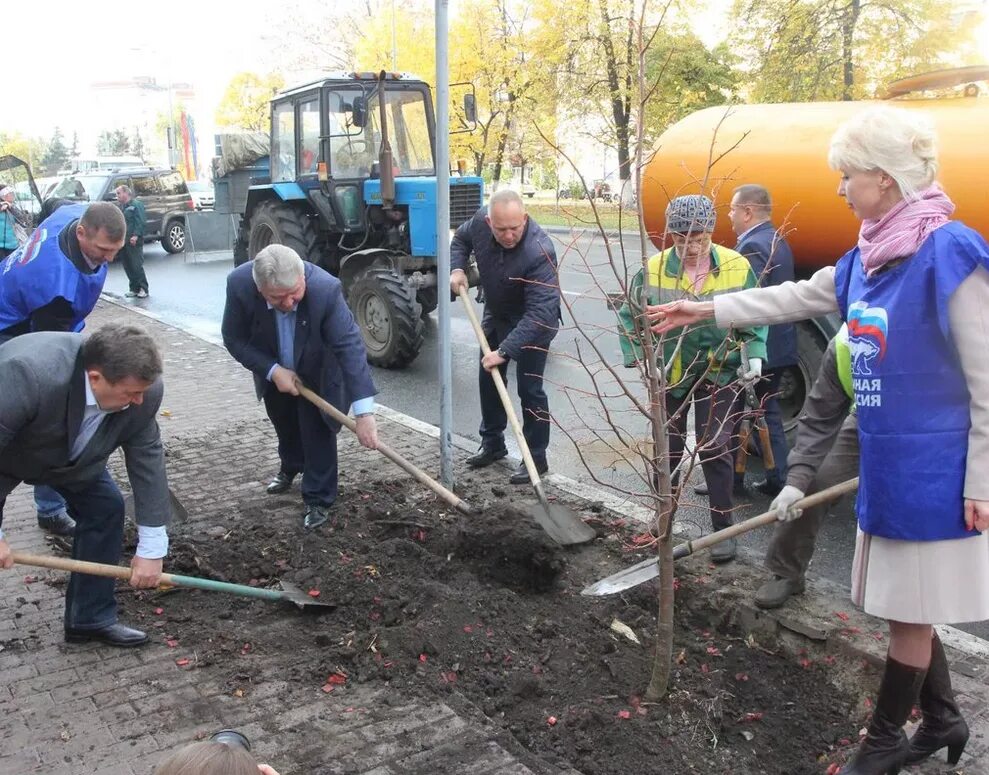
[{"x": 914, "y": 294}]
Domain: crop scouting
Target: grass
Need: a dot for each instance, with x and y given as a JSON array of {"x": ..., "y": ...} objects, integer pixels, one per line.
[{"x": 579, "y": 215}]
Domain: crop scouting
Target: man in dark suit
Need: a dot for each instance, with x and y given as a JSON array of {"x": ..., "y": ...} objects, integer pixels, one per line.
[
  {"x": 517, "y": 264},
  {"x": 286, "y": 320},
  {"x": 771, "y": 260},
  {"x": 66, "y": 403}
]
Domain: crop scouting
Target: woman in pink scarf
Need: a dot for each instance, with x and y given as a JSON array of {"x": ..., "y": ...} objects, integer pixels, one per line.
[{"x": 915, "y": 295}]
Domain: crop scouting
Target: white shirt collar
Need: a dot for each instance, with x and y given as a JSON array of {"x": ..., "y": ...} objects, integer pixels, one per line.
[
  {"x": 748, "y": 231},
  {"x": 92, "y": 405}
]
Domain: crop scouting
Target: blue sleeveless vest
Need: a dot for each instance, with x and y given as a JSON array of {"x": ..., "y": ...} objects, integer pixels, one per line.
[
  {"x": 910, "y": 393},
  {"x": 38, "y": 272}
]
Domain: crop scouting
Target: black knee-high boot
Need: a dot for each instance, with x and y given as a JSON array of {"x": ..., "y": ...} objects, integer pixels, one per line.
[
  {"x": 942, "y": 725},
  {"x": 885, "y": 748}
]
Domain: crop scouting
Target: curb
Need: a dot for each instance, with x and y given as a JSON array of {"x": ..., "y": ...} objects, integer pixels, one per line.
[{"x": 958, "y": 640}]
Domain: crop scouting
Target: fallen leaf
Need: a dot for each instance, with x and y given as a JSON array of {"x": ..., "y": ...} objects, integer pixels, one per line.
[
  {"x": 338, "y": 679},
  {"x": 30, "y": 579},
  {"x": 449, "y": 677},
  {"x": 328, "y": 688},
  {"x": 551, "y": 721},
  {"x": 805, "y": 663},
  {"x": 624, "y": 630},
  {"x": 468, "y": 629},
  {"x": 159, "y": 611},
  {"x": 705, "y": 668},
  {"x": 741, "y": 677},
  {"x": 753, "y": 716},
  {"x": 682, "y": 657},
  {"x": 714, "y": 651},
  {"x": 238, "y": 692},
  {"x": 423, "y": 658},
  {"x": 183, "y": 661},
  {"x": 171, "y": 643},
  {"x": 833, "y": 769},
  {"x": 642, "y": 539},
  {"x": 844, "y": 741},
  {"x": 166, "y": 413},
  {"x": 747, "y": 735},
  {"x": 313, "y": 593},
  {"x": 624, "y": 714},
  {"x": 841, "y": 615}
]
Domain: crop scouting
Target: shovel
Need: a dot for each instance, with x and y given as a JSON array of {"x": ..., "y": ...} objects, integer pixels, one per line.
[
  {"x": 560, "y": 524},
  {"x": 462, "y": 506},
  {"x": 288, "y": 593},
  {"x": 649, "y": 569}
]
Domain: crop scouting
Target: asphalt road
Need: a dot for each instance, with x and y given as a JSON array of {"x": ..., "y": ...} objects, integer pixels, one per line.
[{"x": 189, "y": 294}]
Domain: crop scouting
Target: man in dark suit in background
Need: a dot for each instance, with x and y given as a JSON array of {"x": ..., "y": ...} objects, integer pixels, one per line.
[
  {"x": 771, "y": 260},
  {"x": 66, "y": 403},
  {"x": 286, "y": 320}
]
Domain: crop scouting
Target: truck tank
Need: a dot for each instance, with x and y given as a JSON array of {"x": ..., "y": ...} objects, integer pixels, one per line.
[{"x": 784, "y": 147}]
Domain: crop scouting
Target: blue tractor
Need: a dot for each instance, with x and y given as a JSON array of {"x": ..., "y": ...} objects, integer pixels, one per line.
[{"x": 351, "y": 186}]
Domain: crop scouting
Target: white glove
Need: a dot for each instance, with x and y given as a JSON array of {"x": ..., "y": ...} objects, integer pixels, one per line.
[
  {"x": 749, "y": 376},
  {"x": 783, "y": 504}
]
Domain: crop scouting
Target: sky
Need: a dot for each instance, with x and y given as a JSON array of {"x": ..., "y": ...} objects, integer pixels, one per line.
[{"x": 202, "y": 43}]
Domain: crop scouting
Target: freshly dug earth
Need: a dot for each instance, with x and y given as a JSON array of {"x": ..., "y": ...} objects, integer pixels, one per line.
[{"x": 486, "y": 610}]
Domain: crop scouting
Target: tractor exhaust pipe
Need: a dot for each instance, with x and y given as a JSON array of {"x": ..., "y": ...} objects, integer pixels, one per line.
[{"x": 385, "y": 164}]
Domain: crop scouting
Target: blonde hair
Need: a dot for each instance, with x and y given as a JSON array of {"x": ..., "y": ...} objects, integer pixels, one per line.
[
  {"x": 901, "y": 143},
  {"x": 208, "y": 758}
]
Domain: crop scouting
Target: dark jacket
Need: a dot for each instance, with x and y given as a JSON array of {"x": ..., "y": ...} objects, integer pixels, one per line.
[
  {"x": 329, "y": 353},
  {"x": 42, "y": 400},
  {"x": 136, "y": 219},
  {"x": 764, "y": 246},
  {"x": 521, "y": 288}
]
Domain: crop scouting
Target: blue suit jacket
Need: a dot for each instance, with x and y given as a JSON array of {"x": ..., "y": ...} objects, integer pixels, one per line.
[
  {"x": 761, "y": 246},
  {"x": 329, "y": 353}
]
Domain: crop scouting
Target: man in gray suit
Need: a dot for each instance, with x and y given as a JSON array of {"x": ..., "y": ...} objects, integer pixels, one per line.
[{"x": 66, "y": 403}]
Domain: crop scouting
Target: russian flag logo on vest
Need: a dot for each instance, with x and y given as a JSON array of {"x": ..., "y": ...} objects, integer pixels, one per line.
[{"x": 867, "y": 331}]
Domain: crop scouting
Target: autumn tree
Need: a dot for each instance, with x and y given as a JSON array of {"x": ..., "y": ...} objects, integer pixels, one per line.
[
  {"x": 56, "y": 154},
  {"x": 28, "y": 149},
  {"x": 113, "y": 143},
  {"x": 245, "y": 103},
  {"x": 802, "y": 50}
]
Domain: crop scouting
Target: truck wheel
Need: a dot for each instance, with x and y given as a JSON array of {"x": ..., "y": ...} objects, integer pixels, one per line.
[
  {"x": 428, "y": 299},
  {"x": 278, "y": 223},
  {"x": 389, "y": 318},
  {"x": 173, "y": 238},
  {"x": 796, "y": 381}
]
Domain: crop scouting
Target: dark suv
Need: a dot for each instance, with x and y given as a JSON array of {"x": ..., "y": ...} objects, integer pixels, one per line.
[{"x": 163, "y": 192}]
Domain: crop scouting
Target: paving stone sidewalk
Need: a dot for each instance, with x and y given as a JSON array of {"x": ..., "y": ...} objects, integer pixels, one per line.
[{"x": 90, "y": 709}]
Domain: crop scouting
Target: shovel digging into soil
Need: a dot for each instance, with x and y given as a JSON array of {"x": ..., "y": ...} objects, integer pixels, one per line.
[
  {"x": 561, "y": 524},
  {"x": 462, "y": 506},
  {"x": 287, "y": 594},
  {"x": 649, "y": 569}
]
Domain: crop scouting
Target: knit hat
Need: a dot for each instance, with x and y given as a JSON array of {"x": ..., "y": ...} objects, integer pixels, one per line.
[
  {"x": 6, "y": 190},
  {"x": 692, "y": 213}
]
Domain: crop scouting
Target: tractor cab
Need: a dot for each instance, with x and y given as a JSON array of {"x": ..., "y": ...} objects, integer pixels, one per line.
[{"x": 352, "y": 188}]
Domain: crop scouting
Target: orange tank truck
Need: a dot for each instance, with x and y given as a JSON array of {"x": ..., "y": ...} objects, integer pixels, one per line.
[{"x": 784, "y": 147}]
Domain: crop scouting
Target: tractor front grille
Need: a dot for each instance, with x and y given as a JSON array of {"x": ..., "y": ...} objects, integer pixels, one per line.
[{"x": 465, "y": 200}]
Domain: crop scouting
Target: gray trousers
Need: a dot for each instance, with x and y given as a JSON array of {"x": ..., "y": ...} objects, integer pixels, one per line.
[{"x": 793, "y": 542}]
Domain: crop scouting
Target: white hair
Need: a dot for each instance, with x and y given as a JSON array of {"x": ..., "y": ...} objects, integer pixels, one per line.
[
  {"x": 504, "y": 197},
  {"x": 277, "y": 266},
  {"x": 902, "y": 143}
]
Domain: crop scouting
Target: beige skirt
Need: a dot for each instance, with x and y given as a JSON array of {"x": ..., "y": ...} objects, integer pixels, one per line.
[{"x": 922, "y": 582}]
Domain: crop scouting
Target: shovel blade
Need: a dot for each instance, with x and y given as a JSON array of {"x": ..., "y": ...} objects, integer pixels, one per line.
[
  {"x": 301, "y": 598},
  {"x": 630, "y": 577},
  {"x": 561, "y": 524}
]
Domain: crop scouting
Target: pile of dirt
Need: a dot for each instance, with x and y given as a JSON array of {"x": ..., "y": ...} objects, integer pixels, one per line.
[{"x": 486, "y": 610}]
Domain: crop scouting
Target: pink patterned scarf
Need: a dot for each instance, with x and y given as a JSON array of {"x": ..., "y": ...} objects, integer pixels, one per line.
[{"x": 903, "y": 229}]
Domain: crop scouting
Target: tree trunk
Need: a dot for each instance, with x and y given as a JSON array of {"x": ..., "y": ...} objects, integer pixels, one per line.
[
  {"x": 849, "y": 23},
  {"x": 619, "y": 98},
  {"x": 506, "y": 130}
]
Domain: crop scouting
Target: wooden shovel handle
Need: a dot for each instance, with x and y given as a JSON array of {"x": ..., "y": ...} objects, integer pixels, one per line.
[
  {"x": 768, "y": 459},
  {"x": 385, "y": 450},
  {"x": 530, "y": 464}
]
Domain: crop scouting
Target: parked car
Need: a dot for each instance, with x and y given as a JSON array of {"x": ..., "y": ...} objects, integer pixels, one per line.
[
  {"x": 163, "y": 191},
  {"x": 202, "y": 194}
]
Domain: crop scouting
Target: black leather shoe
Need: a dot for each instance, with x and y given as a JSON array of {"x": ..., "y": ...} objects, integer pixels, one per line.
[
  {"x": 521, "y": 475},
  {"x": 770, "y": 487},
  {"x": 118, "y": 635},
  {"x": 485, "y": 456},
  {"x": 724, "y": 552},
  {"x": 280, "y": 483},
  {"x": 315, "y": 516},
  {"x": 60, "y": 524}
]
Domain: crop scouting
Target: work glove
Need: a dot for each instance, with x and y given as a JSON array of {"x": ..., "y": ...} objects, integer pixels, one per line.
[
  {"x": 783, "y": 504},
  {"x": 749, "y": 375}
]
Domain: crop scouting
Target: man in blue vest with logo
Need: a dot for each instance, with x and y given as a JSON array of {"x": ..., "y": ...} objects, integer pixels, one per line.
[{"x": 52, "y": 283}]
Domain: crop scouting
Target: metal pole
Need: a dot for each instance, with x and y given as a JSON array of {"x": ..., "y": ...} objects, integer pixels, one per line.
[
  {"x": 443, "y": 238},
  {"x": 394, "y": 39}
]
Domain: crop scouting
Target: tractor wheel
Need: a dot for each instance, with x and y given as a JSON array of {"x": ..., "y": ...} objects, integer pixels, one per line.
[
  {"x": 428, "y": 299},
  {"x": 275, "y": 222},
  {"x": 389, "y": 318}
]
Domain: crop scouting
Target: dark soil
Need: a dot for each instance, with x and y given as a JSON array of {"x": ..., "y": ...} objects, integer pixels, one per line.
[{"x": 485, "y": 611}]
